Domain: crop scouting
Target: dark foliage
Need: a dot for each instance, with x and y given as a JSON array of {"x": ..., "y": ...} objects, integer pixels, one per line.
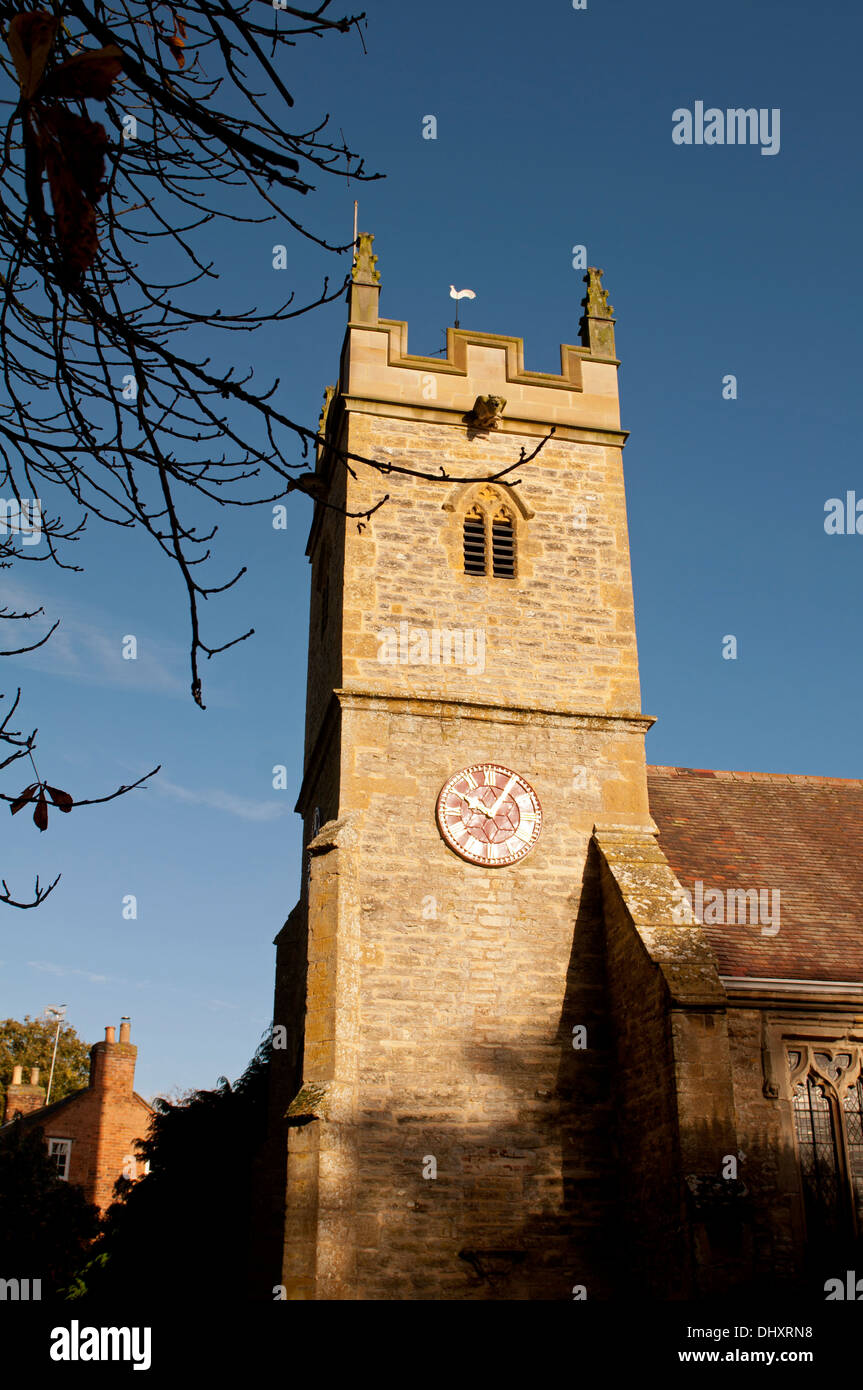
[
  {"x": 45, "y": 1223},
  {"x": 182, "y": 1232}
]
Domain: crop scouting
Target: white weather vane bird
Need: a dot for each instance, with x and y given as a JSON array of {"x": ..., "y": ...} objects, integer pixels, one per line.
[{"x": 457, "y": 295}]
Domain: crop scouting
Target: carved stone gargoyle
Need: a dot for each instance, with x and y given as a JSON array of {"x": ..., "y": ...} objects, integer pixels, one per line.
[{"x": 486, "y": 413}]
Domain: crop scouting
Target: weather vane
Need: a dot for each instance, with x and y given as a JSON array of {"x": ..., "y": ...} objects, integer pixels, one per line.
[{"x": 457, "y": 295}]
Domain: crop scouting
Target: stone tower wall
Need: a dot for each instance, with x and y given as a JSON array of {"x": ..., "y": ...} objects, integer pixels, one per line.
[{"x": 441, "y": 997}]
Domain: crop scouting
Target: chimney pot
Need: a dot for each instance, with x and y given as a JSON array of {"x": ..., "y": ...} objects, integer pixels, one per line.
[
  {"x": 109, "y": 1034},
  {"x": 22, "y": 1099},
  {"x": 125, "y": 1030}
]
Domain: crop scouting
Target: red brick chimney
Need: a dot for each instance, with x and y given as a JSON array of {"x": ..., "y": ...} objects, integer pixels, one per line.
[
  {"x": 22, "y": 1099},
  {"x": 112, "y": 1064}
]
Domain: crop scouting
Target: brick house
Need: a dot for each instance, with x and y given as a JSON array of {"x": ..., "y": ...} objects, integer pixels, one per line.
[
  {"x": 549, "y": 1019},
  {"x": 92, "y": 1133}
]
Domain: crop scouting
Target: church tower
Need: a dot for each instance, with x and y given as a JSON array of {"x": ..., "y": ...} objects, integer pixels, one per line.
[{"x": 444, "y": 1095}]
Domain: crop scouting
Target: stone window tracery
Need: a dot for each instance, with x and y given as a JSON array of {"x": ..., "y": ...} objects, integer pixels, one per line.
[
  {"x": 827, "y": 1102},
  {"x": 489, "y": 536}
]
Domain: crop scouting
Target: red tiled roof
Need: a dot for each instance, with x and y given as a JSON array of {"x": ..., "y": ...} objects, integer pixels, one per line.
[{"x": 764, "y": 830}]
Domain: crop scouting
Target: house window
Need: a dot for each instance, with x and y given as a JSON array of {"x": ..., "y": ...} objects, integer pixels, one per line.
[
  {"x": 827, "y": 1101},
  {"x": 60, "y": 1152},
  {"x": 489, "y": 537}
]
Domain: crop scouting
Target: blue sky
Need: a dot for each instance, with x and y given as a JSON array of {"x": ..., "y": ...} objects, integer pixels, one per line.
[{"x": 554, "y": 129}]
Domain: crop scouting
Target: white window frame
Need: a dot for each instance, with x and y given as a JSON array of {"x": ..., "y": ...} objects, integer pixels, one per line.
[{"x": 61, "y": 1148}]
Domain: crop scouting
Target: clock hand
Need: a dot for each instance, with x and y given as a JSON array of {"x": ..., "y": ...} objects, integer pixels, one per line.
[
  {"x": 502, "y": 798},
  {"x": 473, "y": 802}
]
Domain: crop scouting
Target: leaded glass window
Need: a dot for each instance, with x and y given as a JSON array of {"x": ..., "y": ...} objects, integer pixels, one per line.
[
  {"x": 816, "y": 1146},
  {"x": 852, "y": 1106},
  {"x": 827, "y": 1100}
]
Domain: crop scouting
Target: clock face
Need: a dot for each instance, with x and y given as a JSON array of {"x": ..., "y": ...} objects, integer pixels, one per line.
[{"x": 489, "y": 815}]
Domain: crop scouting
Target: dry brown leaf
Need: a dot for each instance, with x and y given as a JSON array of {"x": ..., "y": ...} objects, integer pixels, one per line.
[
  {"x": 86, "y": 75},
  {"x": 62, "y": 800},
  {"x": 21, "y": 801},
  {"x": 75, "y": 162},
  {"x": 177, "y": 41},
  {"x": 30, "y": 37}
]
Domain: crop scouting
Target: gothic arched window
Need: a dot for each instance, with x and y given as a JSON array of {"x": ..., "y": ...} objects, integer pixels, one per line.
[
  {"x": 474, "y": 542},
  {"x": 827, "y": 1101},
  {"x": 489, "y": 537},
  {"x": 503, "y": 546},
  {"x": 818, "y": 1153}
]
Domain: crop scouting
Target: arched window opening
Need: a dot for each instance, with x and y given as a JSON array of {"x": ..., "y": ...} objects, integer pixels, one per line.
[
  {"x": 503, "y": 547},
  {"x": 474, "y": 542},
  {"x": 827, "y": 1104},
  {"x": 817, "y": 1150},
  {"x": 852, "y": 1105}
]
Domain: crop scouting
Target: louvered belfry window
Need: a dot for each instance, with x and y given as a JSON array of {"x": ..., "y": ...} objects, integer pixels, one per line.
[
  {"x": 489, "y": 537},
  {"x": 474, "y": 543},
  {"x": 502, "y": 547}
]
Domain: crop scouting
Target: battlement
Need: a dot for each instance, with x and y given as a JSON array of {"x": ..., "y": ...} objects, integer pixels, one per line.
[{"x": 377, "y": 368}]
